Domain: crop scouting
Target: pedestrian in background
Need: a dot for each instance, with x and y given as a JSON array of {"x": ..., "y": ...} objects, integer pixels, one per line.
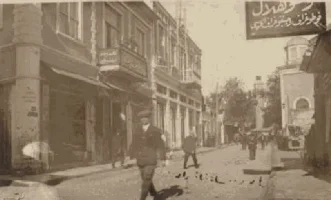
[
  {"x": 146, "y": 144},
  {"x": 252, "y": 145},
  {"x": 189, "y": 148},
  {"x": 237, "y": 138},
  {"x": 243, "y": 141},
  {"x": 117, "y": 148},
  {"x": 263, "y": 141}
]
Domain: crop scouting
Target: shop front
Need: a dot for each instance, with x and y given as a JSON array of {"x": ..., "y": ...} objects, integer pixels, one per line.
[{"x": 73, "y": 117}]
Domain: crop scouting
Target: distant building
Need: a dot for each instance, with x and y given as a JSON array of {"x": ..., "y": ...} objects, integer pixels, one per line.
[
  {"x": 176, "y": 78},
  {"x": 297, "y": 87}
]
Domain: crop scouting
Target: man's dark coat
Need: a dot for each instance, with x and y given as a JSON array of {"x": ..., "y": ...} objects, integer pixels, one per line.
[{"x": 147, "y": 145}]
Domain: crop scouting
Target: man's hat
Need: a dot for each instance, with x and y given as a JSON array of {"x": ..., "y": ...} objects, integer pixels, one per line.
[{"x": 144, "y": 113}]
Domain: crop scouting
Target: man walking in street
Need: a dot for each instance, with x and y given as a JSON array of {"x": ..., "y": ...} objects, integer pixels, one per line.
[
  {"x": 243, "y": 141},
  {"x": 117, "y": 148},
  {"x": 146, "y": 145},
  {"x": 252, "y": 145},
  {"x": 119, "y": 142},
  {"x": 189, "y": 148}
]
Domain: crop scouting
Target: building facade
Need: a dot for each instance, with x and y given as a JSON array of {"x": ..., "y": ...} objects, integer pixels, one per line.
[
  {"x": 316, "y": 62},
  {"x": 297, "y": 87},
  {"x": 176, "y": 79},
  {"x": 68, "y": 72}
]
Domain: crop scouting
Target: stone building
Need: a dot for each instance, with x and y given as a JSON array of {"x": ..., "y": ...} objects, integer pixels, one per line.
[
  {"x": 177, "y": 78},
  {"x": 297, "y": 87},
  {"x": 67, "y": 72}
]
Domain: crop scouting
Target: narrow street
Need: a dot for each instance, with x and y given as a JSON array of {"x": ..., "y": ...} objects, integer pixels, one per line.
[{"x": 225, "y": 166}]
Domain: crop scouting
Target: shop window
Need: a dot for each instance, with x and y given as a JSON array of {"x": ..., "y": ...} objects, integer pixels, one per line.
[
  {"x": 70, "y": 19},
  {"x": 113, "y": 27},
  {"x": 302, "y": 104}
]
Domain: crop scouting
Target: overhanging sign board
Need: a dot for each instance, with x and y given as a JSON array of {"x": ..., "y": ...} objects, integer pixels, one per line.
[{"x": 270, "y": 19}]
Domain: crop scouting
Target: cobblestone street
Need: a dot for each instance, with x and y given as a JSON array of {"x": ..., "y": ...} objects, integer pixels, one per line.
[{"x": 220, "y": 176}]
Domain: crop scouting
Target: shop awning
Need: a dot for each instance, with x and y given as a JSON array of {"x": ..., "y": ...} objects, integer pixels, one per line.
[{"x": 79, "y": 77}]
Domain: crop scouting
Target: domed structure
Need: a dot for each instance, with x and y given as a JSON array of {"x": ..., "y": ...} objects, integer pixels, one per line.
[
  {"x": 295, "y": 49},
  {"x": 297, "y": 41}
]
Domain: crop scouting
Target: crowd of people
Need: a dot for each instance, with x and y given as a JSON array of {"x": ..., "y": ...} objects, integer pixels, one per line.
[{"x": 249, "y": 139}]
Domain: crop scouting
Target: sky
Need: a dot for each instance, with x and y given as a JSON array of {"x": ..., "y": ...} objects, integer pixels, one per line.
[{"x": 218, "y": 28}]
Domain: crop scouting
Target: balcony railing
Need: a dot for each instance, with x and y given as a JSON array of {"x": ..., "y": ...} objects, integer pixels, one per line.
[
  {"x": 191, "y": 77},
  {"x": 163, "y": 66},
  {"x": 123, "y": 57}
]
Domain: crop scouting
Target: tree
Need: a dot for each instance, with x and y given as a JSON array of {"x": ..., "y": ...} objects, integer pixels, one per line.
[
  {"x": 273, "y": 111},
  {"x": 239, "y": 107}
]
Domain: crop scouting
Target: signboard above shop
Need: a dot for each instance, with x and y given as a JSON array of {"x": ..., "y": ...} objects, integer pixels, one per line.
[{"x": 271, "y": 19}]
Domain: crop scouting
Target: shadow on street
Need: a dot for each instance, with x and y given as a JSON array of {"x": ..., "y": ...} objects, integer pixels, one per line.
[{"x": 169, "y": 192}]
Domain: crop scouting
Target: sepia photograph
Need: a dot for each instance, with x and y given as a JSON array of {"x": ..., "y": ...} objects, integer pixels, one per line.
[{"x": 165, "y": 100}]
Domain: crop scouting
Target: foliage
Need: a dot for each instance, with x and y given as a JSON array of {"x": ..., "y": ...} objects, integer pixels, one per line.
[
  {"x": 273, "y": 110},
  {"x": 238, "y": 105}
]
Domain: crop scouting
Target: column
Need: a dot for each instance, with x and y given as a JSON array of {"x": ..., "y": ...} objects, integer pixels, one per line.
[
  {"x": 129, "y": 124},
  {"x": 178, "y": 127},
  {"x": 222, "y": 129},
  {"x": 187, "y": 117},
  {"x": 25, "y": 94},
  {"x": 90, "y": 129},
  {"x": 167, "y": 123}
]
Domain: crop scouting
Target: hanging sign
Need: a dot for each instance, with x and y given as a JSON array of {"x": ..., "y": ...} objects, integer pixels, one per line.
[{"x": 270, "y": 19}]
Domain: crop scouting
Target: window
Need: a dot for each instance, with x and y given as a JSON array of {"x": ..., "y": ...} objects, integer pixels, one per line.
[
  {"x": 173, "y": 94},
  {"x": 182, "y": 99},
  {"x": 161, "y": 89},
  {"x": 292, "y": 54},
  {"x": 160, "y": 116},
  {"x": 161, "y": 42},
  {"x": 140, "y": 35},
  {"x": 296, "y": 53},
  {"x": 113, "y": 27},
  {"x": 302, "y": 104},
  {"x": 173, "y": 51},
  {"x": 70, "y": 19}
]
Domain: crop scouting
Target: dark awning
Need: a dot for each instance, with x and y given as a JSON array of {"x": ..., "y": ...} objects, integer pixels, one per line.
[
  {"x": 79, "y": 77},
  {"x": 317, "y": 58}
]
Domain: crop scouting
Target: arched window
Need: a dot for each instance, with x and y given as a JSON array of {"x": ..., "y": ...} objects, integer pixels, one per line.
[{"x": 302, "y": 104}]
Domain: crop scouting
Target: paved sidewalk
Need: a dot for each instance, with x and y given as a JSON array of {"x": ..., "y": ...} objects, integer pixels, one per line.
[
  {"x": 292, "y": 182},
  {"x": 85, "y": 171}
]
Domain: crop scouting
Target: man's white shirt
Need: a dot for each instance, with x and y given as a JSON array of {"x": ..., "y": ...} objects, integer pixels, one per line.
[{"x": 145, "y": 127}]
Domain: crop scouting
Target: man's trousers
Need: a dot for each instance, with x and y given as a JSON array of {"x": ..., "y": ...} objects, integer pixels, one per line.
[{"x": 147, "y": 186}]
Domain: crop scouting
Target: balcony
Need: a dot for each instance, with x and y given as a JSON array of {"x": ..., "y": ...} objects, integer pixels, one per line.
[
  {"x": 162, "y": 66},
  {"x": 191, "y": 80},
  {"x": 123, "y": 62}
]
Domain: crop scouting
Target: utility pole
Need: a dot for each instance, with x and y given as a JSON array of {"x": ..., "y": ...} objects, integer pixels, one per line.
[{"x": 216, "y": 121}]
